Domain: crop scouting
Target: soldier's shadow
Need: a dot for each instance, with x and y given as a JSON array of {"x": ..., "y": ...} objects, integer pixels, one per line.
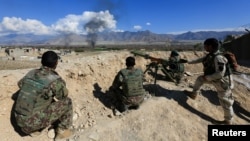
[
  {"x": 12, "y": 117},
  {"x": 179, "y": 97},
  {"x": 211, "y": 96},
  {"x": 238, "y": 109},
  {"x": 241, "y": 112},
  {"x": 103, "y": 97}
]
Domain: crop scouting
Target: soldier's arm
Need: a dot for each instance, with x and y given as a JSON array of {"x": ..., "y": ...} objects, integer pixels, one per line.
[
  {"x": 20, "y": 83},
  {"x": 59, "y": 89},
  {"x": 143, "y": 76},
  {"x": 117, "y": 81},
  {"x": 195, "y": 61}
]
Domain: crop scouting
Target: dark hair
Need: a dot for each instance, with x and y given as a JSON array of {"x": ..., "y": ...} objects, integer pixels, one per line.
[
  {"x": 130, "y": 61},
  {"x": 49, "y": 59},
  {"x": 213, "y": 42}
]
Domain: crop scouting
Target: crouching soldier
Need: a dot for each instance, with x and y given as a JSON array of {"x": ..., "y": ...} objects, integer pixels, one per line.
[
  {"x": 173, "y": 68},
  {"x": 43, "y": 100},
  {"x": 128, "y": 88}
]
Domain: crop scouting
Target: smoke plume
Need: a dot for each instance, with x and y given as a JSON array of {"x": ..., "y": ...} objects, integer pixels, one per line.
[
  {"x": 98, "y": 23},
  {"x": 92, "y": 27}
]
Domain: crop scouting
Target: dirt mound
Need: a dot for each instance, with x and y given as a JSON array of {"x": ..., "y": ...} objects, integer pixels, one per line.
[{"x": 168, "y": 115}]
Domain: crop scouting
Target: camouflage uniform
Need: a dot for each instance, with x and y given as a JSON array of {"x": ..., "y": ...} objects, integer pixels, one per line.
[
  {"x": 173, "y": 69},
  {"x": 214, "y": 72},
  {"x": 57, "y": 110},
  {"x": 123, "y": 101}
]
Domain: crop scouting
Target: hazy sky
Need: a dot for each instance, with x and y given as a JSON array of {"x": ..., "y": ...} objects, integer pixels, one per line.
[{"x": 158, "y": 16}]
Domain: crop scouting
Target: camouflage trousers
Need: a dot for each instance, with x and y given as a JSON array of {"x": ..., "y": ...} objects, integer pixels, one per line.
[
  {"x": 224, "y": 94},
  {"x": 59, "y": 112},
  {"x": 122, "y": 103}
]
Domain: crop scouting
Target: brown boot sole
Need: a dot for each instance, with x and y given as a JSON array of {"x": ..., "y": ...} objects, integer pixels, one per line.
[
  {"x": 189, "y": 94},
  {"x": 222, "y": 122}
]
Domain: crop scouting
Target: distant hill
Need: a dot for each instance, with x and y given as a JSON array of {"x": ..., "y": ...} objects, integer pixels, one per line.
[{"x": 113, "y": 37}]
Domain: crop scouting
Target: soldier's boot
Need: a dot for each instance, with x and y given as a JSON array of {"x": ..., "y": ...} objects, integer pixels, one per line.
[
  {"x": 35, "y": 134},
  {"x": 117, "y": 112},
  {"x": 224, "y": 122},
  {"x": 62, "y": 134},
  {"x": 147, "y": 96},
  {"x": 191, "y": 94}
]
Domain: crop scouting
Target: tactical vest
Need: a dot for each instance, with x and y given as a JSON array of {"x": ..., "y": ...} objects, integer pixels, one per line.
[
  {"x": 209, "y": 66},
  {"x": 132, "y": 82},
  {"x": 34, "y": 95}
]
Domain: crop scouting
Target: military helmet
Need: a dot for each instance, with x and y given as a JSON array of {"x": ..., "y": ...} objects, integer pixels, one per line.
[{"x": 174, "y": 53}]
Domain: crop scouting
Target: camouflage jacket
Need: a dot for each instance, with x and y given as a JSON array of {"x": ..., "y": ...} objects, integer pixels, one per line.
[
  {"x": 120, "y": 80},
  {"x": 57, "y": 88},
  {"x": 39, "y": 88}
]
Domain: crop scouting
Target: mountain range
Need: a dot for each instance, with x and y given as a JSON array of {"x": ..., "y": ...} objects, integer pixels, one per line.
[{"x": 111, "y": 37}]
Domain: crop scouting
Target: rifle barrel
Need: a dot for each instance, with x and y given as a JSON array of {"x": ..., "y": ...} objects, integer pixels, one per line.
[
  {"x": 146, "y": 56},
  {"x": 137, "y": 53}
]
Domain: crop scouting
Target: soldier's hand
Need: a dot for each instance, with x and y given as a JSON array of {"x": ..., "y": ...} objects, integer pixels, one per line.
[{"x": 183, "y": 61}]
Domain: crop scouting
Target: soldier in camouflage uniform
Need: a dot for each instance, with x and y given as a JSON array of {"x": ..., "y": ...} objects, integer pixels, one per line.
[
  {"x": 128, "y": 88},
  {"x": 43, "y": 100},
  {"x": 215, "y": 73},
  {"x": 172, "y": 67}
]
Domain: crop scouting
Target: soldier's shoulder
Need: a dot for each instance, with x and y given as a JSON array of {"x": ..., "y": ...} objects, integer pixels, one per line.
[
  {"x": 138, "y": 69},
  {"x": 221, "y": 58},
  {"x": 58, "y": 82}
]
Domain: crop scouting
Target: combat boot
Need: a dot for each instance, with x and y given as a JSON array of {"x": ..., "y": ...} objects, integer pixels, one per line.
[
  {"x": 192, "y": 95},
  {"x": 35, "y": 134},
  {"x": 62, "y": 134},
  {"x": 224, "y": 122},
  {"x": 117, "y": 112}
]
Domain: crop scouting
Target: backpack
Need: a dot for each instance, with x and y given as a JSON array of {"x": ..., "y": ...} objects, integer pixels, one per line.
[
  {"x": 232, "y": 62},
  {"x": 132, "y": 82},
  {"x": 34, "y": 95}
]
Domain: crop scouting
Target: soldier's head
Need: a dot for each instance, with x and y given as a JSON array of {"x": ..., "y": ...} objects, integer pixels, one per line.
[
  {"x": 50, "y": 59},
  {"x": 174, "y": 53},
  {"x": 211, "y": 45},
  {"x": 130, "y": 61}
]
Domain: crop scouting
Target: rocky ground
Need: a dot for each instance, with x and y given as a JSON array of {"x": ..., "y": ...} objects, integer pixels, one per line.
[{"x": 168, "y": 116}]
